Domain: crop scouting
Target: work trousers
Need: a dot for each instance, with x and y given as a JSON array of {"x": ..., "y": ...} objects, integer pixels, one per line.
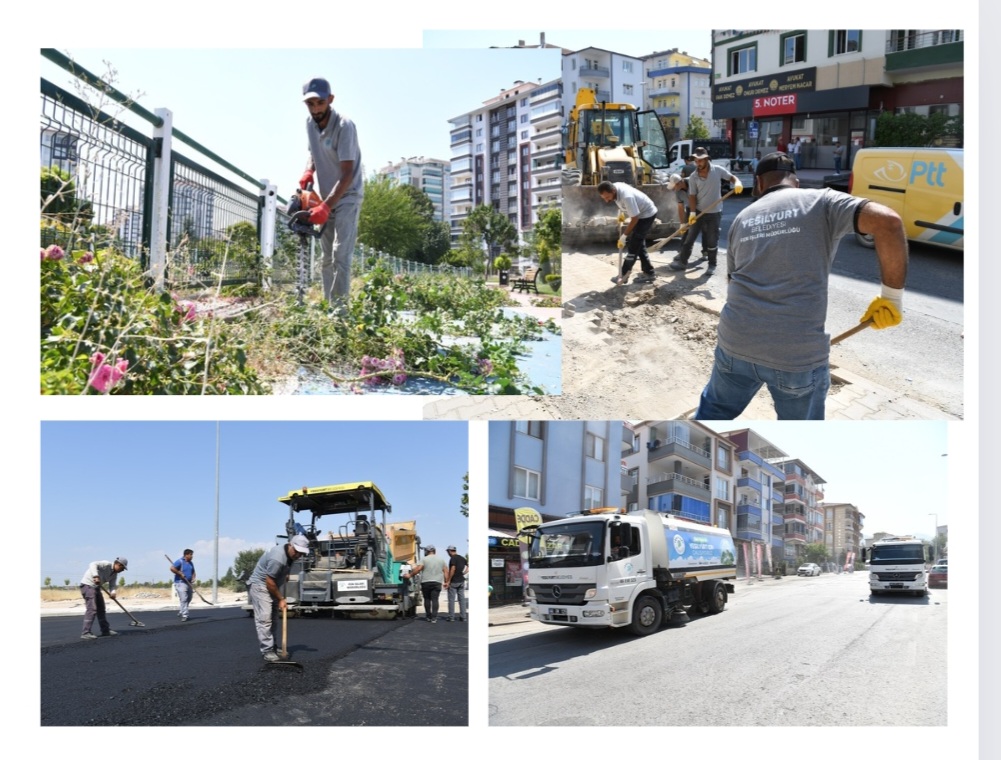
[
  {"x": 708, "y": 226},
  {"x": 265, "y": 615},
  {"x": 431, "y": 592},
  {"x": 93, "y": 600},
  {"x": 184, "y": 597},
  {"x": 457, "y": 592},
  {"x": 338, "y": 245},
  {"x": 636, "y": 247}
]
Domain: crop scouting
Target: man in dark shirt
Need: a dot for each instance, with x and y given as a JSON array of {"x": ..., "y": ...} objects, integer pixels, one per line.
[{"x": 455, "y": 583}]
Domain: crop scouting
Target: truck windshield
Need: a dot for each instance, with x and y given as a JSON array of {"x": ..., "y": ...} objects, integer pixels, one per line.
[
  {"x": 576, "y": 545},
  {"x": 901, "y": 554},
  {"x": 608, "y": 128}
]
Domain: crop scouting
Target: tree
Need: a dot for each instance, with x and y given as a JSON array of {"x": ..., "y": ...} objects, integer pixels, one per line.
[
  {"x": 486, "y": 225},
  {"x": 464, "y": 501},
  {"x": 48, "y": 581},
  {"x": 389, "y": 221},
  {"x": 816, "y": 553},
  {"x": 696, "y": 129},
  {"x": 907, "y": 130},
  {"x": 435, "y": 237},
  {"x": 66, "y": 581},
  {"x": 548, "y": 238},
  {"x": 245, "y": 563}
]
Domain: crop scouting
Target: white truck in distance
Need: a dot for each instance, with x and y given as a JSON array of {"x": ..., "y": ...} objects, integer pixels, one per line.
[
  {"x": 897, "y": 564},
  {"x": 610, "y": 568}
]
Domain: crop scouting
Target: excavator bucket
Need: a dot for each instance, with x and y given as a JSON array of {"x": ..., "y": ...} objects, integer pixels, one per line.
[{"x": 588, "y": 221}]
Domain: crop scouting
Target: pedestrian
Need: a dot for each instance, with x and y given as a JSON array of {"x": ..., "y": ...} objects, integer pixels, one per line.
[
  {"x": 779, "y": 259},
  {"x": 99, "y": 572},
  {"x": 642, "y": 212},
  {"x": 433, "y": 579},
  {"x": 755, "y": 160},
  {"x": 780, "y": 144},
  {"x": 455, "y": 583},
  {"x": 795, "y": 150},
  {"x": 184, "y": 570},
  {"x": 266, "y": 590},
  {"x": 335, "y": 167},
  {"x": 703, "y": 191},
  {"x": 839, "y": 152}
]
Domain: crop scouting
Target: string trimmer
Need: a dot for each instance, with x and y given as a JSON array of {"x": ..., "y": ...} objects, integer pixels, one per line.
[{"x": 303, "y": 201}]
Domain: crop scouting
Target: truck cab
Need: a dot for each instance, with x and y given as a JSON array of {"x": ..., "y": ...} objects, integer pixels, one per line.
[{"x": 897, "y": 564}]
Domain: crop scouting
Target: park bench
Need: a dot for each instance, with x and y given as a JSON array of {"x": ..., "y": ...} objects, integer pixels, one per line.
[{"x": 528, "y": 281}]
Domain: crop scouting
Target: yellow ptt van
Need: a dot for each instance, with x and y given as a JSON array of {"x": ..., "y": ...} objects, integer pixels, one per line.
[{"x": 923, "y": 185}]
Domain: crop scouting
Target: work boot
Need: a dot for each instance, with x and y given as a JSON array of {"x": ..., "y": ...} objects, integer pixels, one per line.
[
  {"x": 110, "y": 633},
  {"x": 711, "y": 270},
  {"x": 87, "y": 635},
  {"x": 678, "y": 266},
  {"x": 271, "y": 656}
]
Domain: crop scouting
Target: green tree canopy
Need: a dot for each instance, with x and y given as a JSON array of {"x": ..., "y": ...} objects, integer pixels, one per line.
[
  {"x": 696, "y": 129},
  {"x": 245, "y": 562},
  {"x": 389, "y": 221},
  {"x": 486, "y": 225},
  {"x": 548, "y": 239},
  {"x": 912, "y": 130},
  {"x": 816, "y": 553}
]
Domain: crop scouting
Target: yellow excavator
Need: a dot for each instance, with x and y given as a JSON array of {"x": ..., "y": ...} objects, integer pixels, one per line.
[{"x": 618, "y": 143}]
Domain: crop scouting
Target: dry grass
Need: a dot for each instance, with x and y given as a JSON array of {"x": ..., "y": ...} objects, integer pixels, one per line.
[{"x": 63, "y": 594}]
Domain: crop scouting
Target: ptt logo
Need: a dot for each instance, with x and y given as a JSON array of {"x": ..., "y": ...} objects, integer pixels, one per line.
[
  {"x": 891, "y": 172},
  {"x": 932, "y": 172}
]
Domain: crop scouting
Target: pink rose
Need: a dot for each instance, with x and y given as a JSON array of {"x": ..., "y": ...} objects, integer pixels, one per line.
[{"x": 104, "y": 376}]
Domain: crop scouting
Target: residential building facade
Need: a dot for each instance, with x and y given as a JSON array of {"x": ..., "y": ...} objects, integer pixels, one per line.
[
  {"x": 555, "y": 468},
  {"x": 843, "y": 525},
  {"x": 827, "y": 87},
  {"x": 431, "y": 175},
  {"x": 802, "y": 508},
  {"x": 678, "y": 87},
  {"x": 760, "y": 528}
]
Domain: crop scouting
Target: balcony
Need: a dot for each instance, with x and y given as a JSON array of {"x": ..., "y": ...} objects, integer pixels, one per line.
[
  {"x": 912, "y": 49},
  {"x": 749, "y": 483},
  {"x": 594, "y": 71},
  {"x": 675, "y": 447},
  {"x": 673, "y": 482},
  {"x": 670, "y": 112},
  {"x": 664, "y": 92}
]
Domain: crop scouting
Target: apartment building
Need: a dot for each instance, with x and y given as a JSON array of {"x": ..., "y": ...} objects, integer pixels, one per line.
[
  {"x": 432, "y": 175},
  {"x": 553, "y": 468},
  {"x": 802, "y": 507},
  {"x": 827, "y": 87},
  {"x": 678, "y": 86},
  {"x": 492, "y": 155},
  {"x": 760, "y": 522},
  {"x": 679, "y": 467},
  {"x": 843, "y": 525}
]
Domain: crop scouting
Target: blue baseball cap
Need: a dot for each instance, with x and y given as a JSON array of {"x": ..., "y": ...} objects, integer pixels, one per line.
[{"x": 316, "y": 88}]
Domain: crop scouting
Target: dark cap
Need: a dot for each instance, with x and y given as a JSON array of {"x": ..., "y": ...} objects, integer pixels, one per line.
[
  {"x": 316, "y": 88},
  {"x": 700, "y": 153},
  {"x": 775, "y": 162}
]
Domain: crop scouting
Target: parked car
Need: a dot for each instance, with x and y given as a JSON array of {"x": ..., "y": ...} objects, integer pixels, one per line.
[
  {"x": 938, "y": 577},
  {"x": 808, "y": 569}
]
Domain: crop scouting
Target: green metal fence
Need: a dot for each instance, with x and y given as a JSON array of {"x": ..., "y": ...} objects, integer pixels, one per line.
[{"x": 147, "y": 197}]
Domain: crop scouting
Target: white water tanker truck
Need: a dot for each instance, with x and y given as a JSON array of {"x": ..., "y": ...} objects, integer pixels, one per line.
[{"x": 610, "y": 568}]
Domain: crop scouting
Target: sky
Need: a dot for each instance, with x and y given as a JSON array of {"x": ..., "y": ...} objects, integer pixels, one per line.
[
  {"x": 893, "y": 471},
  {"x": 634, "y": 42},
  {"x": 246, "y": 105},
  {"x": 144, "y": 489}
]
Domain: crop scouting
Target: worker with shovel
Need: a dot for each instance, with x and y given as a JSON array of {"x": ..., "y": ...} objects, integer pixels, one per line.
[
  {"x": 779, "y": 258},
  {"x": 184, "y": 581},
  {"x": 642, "y": 212},
  {"x": 99, "y": 572},
  {"x": 265, "y": 590},
  {"x": 703, "y": 195}
]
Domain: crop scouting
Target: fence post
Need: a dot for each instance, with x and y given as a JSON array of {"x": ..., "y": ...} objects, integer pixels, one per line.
[
  {"x": 269, "y": 209},
  {"x": 161, "y": 198}
]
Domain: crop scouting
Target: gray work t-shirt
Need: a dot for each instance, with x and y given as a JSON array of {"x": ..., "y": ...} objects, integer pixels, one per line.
[
  {"x": 337, "y": 142},
  {"x": 780, "y": 252},
  {"x": 707, "y": 191},
  {"x": 633, "y": 202},
  {"x": 274, "y": 562},
  {"x": 434, "y": 569}
]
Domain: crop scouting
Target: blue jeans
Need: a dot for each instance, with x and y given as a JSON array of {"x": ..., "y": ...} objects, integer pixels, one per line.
[{"x": 734, "y": 382}]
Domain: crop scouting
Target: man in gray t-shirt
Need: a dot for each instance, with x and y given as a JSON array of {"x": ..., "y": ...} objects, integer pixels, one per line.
[
  {"x": 780, "y": 253},
  {"x": 266, "y": 589},
  {"x": 334, "y": 166},
  {"x": 433, "y": 570}
]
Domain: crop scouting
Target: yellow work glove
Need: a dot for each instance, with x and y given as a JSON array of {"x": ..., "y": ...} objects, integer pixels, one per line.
[
  {"x": 691, "y": 218},
  {"x": 622, "y": 217},
  {"x": 738, "y": 188},
  {"x": 622, "y": 242},
  {"x": 886, "y": 310}
]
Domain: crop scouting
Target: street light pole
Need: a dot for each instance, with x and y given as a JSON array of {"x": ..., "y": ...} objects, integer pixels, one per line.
[{"x": 934, "y": 538}]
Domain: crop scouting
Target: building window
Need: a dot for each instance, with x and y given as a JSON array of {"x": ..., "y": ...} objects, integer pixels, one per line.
[
  {"x": 526, "y": 484},
  {"x": 723, "y": 458},
  {"x": 722, "y": 488},
  {"x": 846, "y": 41},
  {"x": 743, "y": 60},
  {"x": 529, "y": 427},
  {"x": 627, "y": 66},
  {"x": 627, "y": 89},
  {"x": 793, "y": 48},
  {"x": 593, "y": 497},
  {"x": 595, "y": 447}
]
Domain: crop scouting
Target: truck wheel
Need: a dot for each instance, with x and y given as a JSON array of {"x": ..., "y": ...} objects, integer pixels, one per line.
[
  {"x": 717, "y": 601},
  {"x": 647, "y": 616}
]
